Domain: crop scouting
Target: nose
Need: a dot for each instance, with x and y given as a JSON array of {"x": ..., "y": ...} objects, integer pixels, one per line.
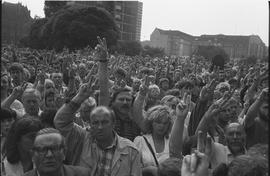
[
  {"x": 100, "y": 126},
  {"x": 234, "y": 135},
  {"x": 49, "y": 153}
]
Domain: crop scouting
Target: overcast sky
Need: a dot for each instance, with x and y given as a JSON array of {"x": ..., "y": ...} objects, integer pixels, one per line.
[{"x": 195, "y": 17}]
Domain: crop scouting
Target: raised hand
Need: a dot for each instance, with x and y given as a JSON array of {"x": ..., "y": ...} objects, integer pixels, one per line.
[
  {"x": 207, "y": 91},
  {"x": 219, "y": 105},
  {"x": 18, "y": 91},
  {"x": 101, "y": 51},
  {"x": 183, "y": 107},
  {"x": 86, "y": 89},
  {"x": 144, "y": 87},
  {"x": 197, "y": 163},
  {"x": 41, "y": 77}
]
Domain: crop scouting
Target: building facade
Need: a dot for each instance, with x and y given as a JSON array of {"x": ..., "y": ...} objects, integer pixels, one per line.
[
  {"x": 174, "y": 42},
  {"x": 127, "y": 15},
  {"x": 182, "y": 44},
  {"x": 16, "y": 21}
]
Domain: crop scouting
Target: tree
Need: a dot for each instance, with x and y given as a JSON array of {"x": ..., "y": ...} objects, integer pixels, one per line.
[
  {"x": 51, "y": 7},
  {"x": 209, "y": 52},
  {"x": 75, "y": 27},
  {"x": 152, "y": 51},
  {"x": 129, "y": 48},
  {"x": 35, "y": 38}
]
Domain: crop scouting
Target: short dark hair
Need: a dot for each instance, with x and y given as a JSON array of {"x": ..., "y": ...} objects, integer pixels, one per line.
[
  {"x": 245, "y": 165},
  {"x": 258, "y": 150},
  {"x": 16, "y": 66},
  {"x": 47, "y": 117},
  {"x": 19, "y": 128},
  {"x": 170, "y": 167},
  {"x": 174, "y": 92},
  {"x": 7, "y": 114},
  {"x": 117, "y": 92},
  {"x": 120, "y": 71}
]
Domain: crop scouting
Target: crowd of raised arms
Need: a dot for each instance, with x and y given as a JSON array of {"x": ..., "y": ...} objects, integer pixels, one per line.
[{"x": 91, "y": 113}]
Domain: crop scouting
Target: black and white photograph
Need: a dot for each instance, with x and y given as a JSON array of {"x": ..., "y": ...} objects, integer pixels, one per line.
[{"x": 135, "y": 88}]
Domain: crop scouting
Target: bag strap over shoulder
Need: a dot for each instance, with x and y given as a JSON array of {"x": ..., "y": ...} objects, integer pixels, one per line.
[{"x": 151, "y": 149}]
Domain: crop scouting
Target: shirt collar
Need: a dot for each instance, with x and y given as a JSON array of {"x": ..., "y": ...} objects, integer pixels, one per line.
[
  {"x": 114, "y": 143},
  {"x": 229, "y": 153}
]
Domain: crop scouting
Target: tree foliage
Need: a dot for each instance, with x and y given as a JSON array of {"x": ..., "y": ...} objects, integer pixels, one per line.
[
  {"x": 129, "y": 48},
  {"x": 209, "y": 52},
  {"x": 51, "y": 7},
  {"x": 73, "y": 27},
  {"x": 153, "y": 51}
]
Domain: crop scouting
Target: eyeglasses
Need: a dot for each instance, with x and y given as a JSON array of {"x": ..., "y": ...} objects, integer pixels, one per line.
[{"x": 44, "y": 150}]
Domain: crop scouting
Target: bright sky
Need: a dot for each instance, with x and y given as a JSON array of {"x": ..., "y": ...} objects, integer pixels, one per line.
[{"x": 195, "y": 17}]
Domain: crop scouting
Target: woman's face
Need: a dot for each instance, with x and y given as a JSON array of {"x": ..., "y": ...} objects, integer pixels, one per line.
[
  {"x": 50, "y": 102},
  {"x": 160, "y": 125}
]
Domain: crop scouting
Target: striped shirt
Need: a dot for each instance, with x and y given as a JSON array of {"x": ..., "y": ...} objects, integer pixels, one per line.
[{"x": 105, "y": 159}]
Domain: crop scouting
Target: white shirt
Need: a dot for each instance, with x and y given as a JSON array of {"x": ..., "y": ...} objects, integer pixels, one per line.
[{"x": 147, "y": 157}]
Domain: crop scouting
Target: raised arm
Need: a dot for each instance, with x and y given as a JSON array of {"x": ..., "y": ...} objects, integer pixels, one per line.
[
  {"x": 63, "y": 120},
  {"x": 254, "y": 108},
  {"x": 176, "y": 139},
  {"x": 16, "y": 93},
  {"x": 137, "y": 111},
  {"x": 102, "y": 57}
]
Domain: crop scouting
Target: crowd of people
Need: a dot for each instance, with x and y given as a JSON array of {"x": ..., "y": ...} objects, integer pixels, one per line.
[{"x": 88, "y": 112}]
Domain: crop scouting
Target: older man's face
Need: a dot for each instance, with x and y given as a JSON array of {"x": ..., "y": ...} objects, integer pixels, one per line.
[
  {"x": 48, "y": 153},
  {"x": 101, "y": 124},
  {"x": 57, "y": 78},
  {"x": 31, "y": 103},
  {"x": 235, "y": 137}
]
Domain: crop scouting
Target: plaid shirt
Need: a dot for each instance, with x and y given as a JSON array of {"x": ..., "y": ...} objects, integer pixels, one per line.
[{"x": 105, "y": 159}]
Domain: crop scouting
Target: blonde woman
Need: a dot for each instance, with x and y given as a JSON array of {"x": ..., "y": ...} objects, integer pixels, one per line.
[{"x": 154, "y": 144}]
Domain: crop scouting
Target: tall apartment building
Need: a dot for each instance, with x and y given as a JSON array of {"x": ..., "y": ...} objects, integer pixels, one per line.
[
  {"x": 127, "y": 15},
  {"x": 181, "y": 44},
  {"x": 16, "y": 21}
]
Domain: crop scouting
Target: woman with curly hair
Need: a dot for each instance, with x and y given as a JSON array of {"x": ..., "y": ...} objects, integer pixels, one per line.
[
  {"x": 18, "y": 146},
  {"x": 154, "y": 144}
]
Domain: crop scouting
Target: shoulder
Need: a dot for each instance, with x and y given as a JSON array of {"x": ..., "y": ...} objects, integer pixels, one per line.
[
  {"x": 76, "y": 170},
  {"x": 124, "y": 143}
]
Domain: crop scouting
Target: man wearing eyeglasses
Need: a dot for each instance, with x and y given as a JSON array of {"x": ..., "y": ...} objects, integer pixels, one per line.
[{"x": 49, "y": 154}]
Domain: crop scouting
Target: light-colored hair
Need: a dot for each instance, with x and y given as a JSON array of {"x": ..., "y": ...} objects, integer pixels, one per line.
[
  {"x": 31, "y": 91},
  {"x": 154, "y": 113}
]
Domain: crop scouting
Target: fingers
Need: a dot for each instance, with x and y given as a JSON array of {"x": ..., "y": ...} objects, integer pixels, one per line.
[
  {"x": 187, "y": 161},
  {"x": 193, "y": 162},
  {"x": 185, "y": 97},
  {"x": 105, "y": 43},
  {"x": 200, "y": 142},
  {"x": 208, "y": 145},
  {"x": 188, "y": 102}
]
